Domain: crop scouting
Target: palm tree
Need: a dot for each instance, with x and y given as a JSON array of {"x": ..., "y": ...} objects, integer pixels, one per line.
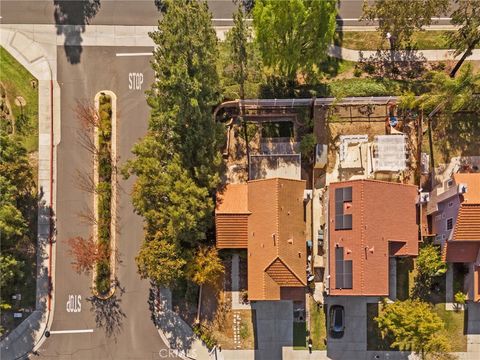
[{"x": 446, "y": 95}]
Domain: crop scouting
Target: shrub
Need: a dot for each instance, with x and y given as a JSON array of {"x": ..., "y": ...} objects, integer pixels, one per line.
[
  {"x": 460, "y": 298},
  {"x": 307, "y": 146},
  {"x": 357, "y": 72},
  {"x": 358, "y": 87},
  {"x": 205, "y": 334}
]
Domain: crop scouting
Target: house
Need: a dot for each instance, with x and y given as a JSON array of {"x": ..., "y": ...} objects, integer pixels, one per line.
[
  {"x": 266, "y": 217},
  {"x": 454, "y": 213},
  {"x": 369, "y": 222}
]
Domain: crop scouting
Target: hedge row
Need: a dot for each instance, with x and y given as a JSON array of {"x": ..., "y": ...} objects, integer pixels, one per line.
[{"x": 104, "y": 192}]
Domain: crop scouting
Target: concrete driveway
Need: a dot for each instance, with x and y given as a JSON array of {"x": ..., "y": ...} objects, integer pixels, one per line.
[
  {"x": 274, "y": 328},
  {"x": 355, "y": 337}
]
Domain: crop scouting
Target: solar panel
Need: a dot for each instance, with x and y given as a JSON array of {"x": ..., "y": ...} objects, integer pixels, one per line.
[
  {"x": 339, "y": 268},
  {"x": 347, "y": 274}
]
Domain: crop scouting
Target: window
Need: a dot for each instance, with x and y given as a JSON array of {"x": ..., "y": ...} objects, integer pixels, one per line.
[
  {"x": 342, "y": 196},
  {"x": 450, "y": 183},
  {"x": 450, "y": 204},
  {"x": 450, "y": 224}
]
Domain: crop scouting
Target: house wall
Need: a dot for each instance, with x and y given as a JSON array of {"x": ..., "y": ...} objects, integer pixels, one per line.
[{"x": 446, "y": 209}]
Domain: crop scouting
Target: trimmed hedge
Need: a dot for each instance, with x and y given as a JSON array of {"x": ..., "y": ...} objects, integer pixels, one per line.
[{"x": 104, "y": 192}]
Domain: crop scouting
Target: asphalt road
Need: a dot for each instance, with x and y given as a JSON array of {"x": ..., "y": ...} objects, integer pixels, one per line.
[
  {"x": 122, "y": 328},
  {"x": 132, "y": 12}
]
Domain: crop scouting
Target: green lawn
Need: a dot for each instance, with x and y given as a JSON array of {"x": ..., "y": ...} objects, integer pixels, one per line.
[
  {"x": 299, "y": 335},
  {"x": 318, "y": 326},
  {"x": 372, "y": 40},
  {"x": 454, "y": 327},
  {"x": 17, "y": 82}
]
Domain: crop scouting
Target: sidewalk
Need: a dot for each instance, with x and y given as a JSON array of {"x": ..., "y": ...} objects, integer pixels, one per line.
[
  {"x": 40, "y": 61},
  {"x": 116, "y": 35},
  {"x": 175, "y": 332}
]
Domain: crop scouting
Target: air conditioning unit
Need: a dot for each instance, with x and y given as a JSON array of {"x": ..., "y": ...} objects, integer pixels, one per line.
[
  {"x": 321, "y": 152},
  {"x": 424, "y": 197},
  {"x": 307, "y": 194},
  {"x": 462, "y": 188}
]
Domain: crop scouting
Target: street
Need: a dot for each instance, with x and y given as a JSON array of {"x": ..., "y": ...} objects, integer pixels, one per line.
[{"x": 119, "y": 328}]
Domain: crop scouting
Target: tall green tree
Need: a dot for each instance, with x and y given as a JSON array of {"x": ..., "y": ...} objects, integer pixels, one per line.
[
  {"x": 294, "y": 35},
  {"x": 413, "y": 326},
  {"x": 17, "y": 213},
  {"x": 429, "y": 266},
  {"x": 160, "y": 261},
  {"x": 237, "y": 40},
  {"x": 402, "y": 18},
  {"x": 17, "y": 191},
  {"x": 467, "y": 17},
  {"x": 178, "y": 164}
]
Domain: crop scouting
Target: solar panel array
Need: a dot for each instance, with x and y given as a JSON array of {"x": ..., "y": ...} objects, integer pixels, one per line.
[
  {"x": 342, "y": 221},
  {"x": 343, "y": 270}
]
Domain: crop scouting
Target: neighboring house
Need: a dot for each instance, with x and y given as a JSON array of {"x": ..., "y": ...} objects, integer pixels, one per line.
[
  {"x": 454, "y": 212},
  {"x": 266, "y": 217},
  {"x": 369, "y": 221}
]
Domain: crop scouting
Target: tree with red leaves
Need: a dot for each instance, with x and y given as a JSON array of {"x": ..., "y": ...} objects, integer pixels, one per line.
[{"x": 85, "y": 253}]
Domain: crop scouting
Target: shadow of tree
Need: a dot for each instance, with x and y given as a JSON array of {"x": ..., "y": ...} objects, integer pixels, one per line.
[
  {"x": 400, "y": 64},
  {"x": 70, "y": 20},
  {"x": 108, "y": 313},
  {"x": 179, "y": 334}
]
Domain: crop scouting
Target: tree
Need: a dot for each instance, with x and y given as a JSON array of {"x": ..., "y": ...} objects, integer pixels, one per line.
[
  {"x": 237, "y": 40},
  {"x": 205, "y": 268},
  {"x": 467, "y": 17},
  {"x": 294, "y": 35},
  {"x": 402, "y": 18},
  {"x": 413, "y": 326},
  {"x": 429, "y": 265},
  {"x": 10, "y": 273},
  {"x": 429, "y": 261},
  {"x": 85, "y": 253},
  {"x": 444, "y": 97},
  {"x": 178, "y": 164},
  {"x": 160, "y": 261}
]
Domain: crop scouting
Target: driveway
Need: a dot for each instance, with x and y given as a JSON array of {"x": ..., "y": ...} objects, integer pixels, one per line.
[
  {"x": 355, "y": 336},
  {"x": 274, "y": 328}
]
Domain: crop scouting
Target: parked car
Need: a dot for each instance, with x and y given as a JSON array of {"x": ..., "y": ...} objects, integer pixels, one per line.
[{"x": 337, "y": 321}]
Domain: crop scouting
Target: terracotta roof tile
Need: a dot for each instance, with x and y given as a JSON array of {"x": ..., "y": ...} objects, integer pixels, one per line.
[
  {"x": 472, "y": 196},
  {"x": 383, "y": 224},
  {"x": 233, "y": 199},
  {"x": 467, "y": 227},
  {"x": 455, "y": 251},
  {"x": 265, "y": 216}
]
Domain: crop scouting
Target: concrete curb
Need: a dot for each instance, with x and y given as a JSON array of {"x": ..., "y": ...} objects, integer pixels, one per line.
[
  {"x": 41, "y": 63},
  {"x": 113, "y": 204},
  {"x": 119, "y": 35}
]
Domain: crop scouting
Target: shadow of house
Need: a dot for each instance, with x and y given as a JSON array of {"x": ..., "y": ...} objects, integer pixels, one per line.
[{"x": 70, "y": 20}]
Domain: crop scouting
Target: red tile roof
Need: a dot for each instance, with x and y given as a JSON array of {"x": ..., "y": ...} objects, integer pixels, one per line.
[
  {"x": 454, "y": 251},
  {"x": 472, "y": 196},
  {"x": 266, "y": 216},
  {"x": 384, "y": 223},
  {"x": 467, "y": 227}
]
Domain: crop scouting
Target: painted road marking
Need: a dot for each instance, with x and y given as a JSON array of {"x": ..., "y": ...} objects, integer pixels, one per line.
[
  {"x": 134, "y": 54},
  {"x": 71, "y": 331},
  {"x": 74, "y": 303},
  {"x": 135, "y": 81}
]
